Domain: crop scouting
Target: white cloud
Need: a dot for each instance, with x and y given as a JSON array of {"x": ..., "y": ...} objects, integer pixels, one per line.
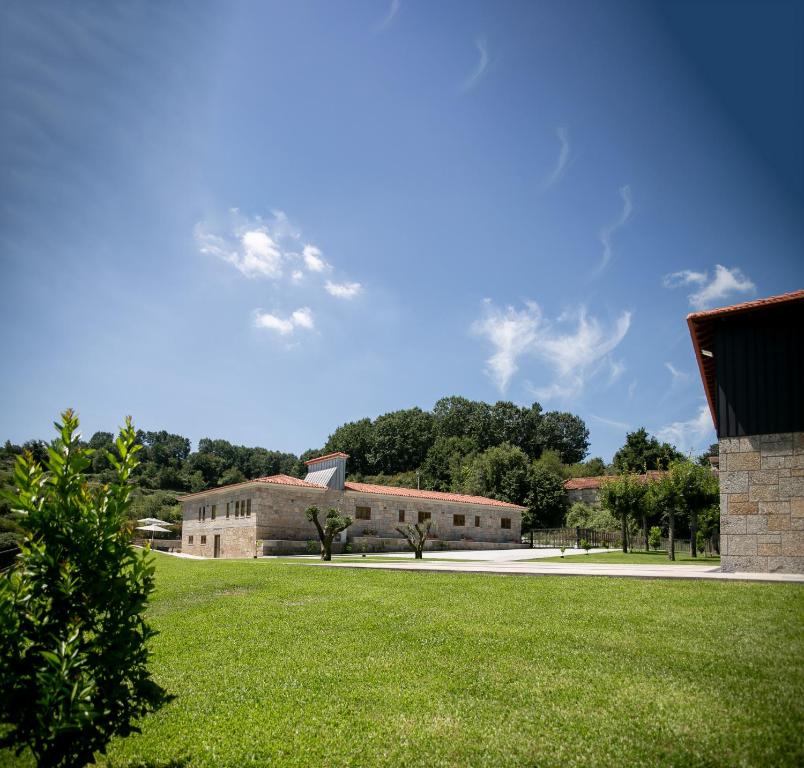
[
  {"x": 573, "y": 354},
  {"x": 723, "y": 283},
  {"x": 393, "y": 9},
  {"x": 607, "y": 233},
  {"x": 343, "y": 290},
  {"x": 482, "y": 63},
  {"x": 690, "y": 436},
  {"x": 561, "y": 162},
  {"x": 297, "y": 276},
  {"x": 313, "y": 259},
  {"x": 301, "y": 318},
  {"x": 260, "y": 255},
  {"x": 616, "y": 369}
]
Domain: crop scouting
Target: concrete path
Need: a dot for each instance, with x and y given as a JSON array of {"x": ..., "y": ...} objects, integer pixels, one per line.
[
  {"x": 486, "y": 555},
  {"x": 705, "y": 572}
]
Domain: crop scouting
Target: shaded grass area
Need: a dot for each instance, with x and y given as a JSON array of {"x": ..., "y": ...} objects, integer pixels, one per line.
[
  {"x": 279, "y": 665},
  {"x": 634, "y": 558}
]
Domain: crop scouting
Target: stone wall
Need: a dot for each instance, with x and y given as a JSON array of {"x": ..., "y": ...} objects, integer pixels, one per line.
[
  {"x": 590, "y": 496},
  {"x": 277, "y": 515},
  {"x": 762, "y": 503}
]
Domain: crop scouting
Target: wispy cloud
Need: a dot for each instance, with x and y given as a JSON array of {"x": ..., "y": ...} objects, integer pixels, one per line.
[
  {"x": 480, "y": 68},
  {"x": 616, "y": 370},
  {"x": 573, "y": 347},
  {"x": 284, "y": 326},
  {"x": 343, "y": 290},
  {"x": 632, "y": 389},
  {"x": 678, "y": 376},
  {"x": 390, "y": 15},
  {"x": 607, "y": 233},
  {"x": 561, "y": 161},
  {"x": 623, "y": 425},
  {"x": 690, "y": 436},
  {"x": 724, "y": 283}
]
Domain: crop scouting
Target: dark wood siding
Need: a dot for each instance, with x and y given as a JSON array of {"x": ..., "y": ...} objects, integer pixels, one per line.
[{"x": 759, "y": 358}]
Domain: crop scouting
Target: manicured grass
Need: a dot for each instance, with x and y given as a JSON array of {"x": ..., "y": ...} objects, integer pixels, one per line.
[
  {"x": 616, "y": 557},
  {"x": 277, "y": 664}
]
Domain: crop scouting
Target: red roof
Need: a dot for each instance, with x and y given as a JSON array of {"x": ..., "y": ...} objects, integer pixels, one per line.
[
  {"x": 272, "y": 480},
  {"x": 580, "y": 483},
  {"x": 701, "y": 325},
  {"x": 414, "y": 493},
  {"x": 336, "y": 454}
]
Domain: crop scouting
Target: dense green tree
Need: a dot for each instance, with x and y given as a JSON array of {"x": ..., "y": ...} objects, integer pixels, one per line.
[
  {"x": 441, "y": 467},
  {"x": 500, "y": 472},
  {"x": 663, "y": 499},
  {"x": 624, "y": 497},
  {"x": 643, "y": 452},
  {"x": 697, "y": 488},
  {"x": 401, "y": 440},
  {"x": 545, "y": 499},
  {"x": 713, "y": 450},
  {"x": 73, "y": 636},
  {"x": 565, "y": 433},
  {"x": 459, "y": 417},
  {"x": 163, "y": 448},
  {"x": 357, "y": 439},
  {"x": 581, "y": 515}
]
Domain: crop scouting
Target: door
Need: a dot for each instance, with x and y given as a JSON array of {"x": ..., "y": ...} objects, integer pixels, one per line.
[{"x": 217, "y": 545}]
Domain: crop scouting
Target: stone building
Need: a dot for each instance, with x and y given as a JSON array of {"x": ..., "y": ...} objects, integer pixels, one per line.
[
  {"x": 751, "y": 360},
  {"x": 266, "y": 515}
]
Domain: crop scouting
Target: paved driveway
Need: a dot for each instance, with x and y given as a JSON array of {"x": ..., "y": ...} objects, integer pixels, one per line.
[{"x": 489, "y": 555}]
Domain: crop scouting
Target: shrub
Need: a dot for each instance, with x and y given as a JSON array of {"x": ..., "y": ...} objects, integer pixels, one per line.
[
  {"x": 655, "y": 538},
  {"x": 312, "y": 546},
  {"x": 73, "y": 655},
  {"x": 563, "y": 549},
  {"x": 585, "y": 545},
  {"x": 700, "y": 541}
]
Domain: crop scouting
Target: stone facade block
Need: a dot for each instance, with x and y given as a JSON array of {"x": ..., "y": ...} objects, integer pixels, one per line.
[{"x": 762, "y": 503}]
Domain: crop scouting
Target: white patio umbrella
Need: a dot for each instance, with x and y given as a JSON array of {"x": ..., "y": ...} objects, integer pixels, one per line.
[
  {"x": 152, "y": 527},
  {"x": 152, "y": 521}
]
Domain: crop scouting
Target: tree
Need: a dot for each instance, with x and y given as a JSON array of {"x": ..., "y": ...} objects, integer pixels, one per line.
[
  {"x": 655, "y": 537},
  {"x": 643, "y": 452},
  {"x": 334, "y": 523},
  {"x": 664, "y": 499},
  {"x": 546, "y": 499},
  {"x": 624, "y": 497},
  {"x": 697, "y": 488},
  {"x": 73, "y": 638},
  {"x": 565, "y": 433},
  {"x": 713, "y": 450},
  {"x": 357, "y": 439},
  {"x": 416, "y": 535},
  {"x": 441, "y": 467},
  {"x": 401, "y": 440},
  {"x": 500, "y": 472}
]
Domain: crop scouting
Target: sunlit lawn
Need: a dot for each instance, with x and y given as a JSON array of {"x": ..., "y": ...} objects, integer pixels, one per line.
[
  {"x": 275, "y": 663},
  {"x": 616, "y": 557}
]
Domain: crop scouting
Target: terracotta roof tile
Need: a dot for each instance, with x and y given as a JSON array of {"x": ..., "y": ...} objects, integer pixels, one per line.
[
  {"x": 335, "y": 454},
  {"x": 388, "y": 490},
  {"x": 581, "y": 483}
]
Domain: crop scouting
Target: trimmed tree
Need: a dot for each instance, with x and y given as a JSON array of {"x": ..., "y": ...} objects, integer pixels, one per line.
[
  {"x": 73, "y": 639},
  {"x": 334, "y": 523},
  {"x": 546, "y": 499},
  {"x": 416, "y": 534},
  {"x": 624, "y": 497},
  {"x": 697, "y": 488},
  {"x": 663, "y": 498}
]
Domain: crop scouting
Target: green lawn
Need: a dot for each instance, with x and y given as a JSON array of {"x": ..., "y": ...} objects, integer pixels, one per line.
[
  {"x": 276, "y": 664},
  {"x": 619, "y": 557}
]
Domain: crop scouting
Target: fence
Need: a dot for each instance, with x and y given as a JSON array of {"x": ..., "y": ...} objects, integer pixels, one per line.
[{"x": 571, "y": 537}]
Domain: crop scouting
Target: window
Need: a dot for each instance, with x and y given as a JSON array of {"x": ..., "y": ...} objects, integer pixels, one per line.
[
  {"x": 423, "y": 516},
  {"x": 401, "y": 515},
  {"x": 214, "y": 507},
  {"x": 477, "y": 521},
  {"x": 237, "y": 509},
  {"x": 459, "y": 519},
  {"x": 199, "y": 514},
  {"x": 248, "y": 507},
  {"x": 505, "y": 522},
  {"x": 190, "y": 540},
  {"x": 203, "y": 513},
  {"x": 203, "y": 539},
  {"x": 228, "y": 504},
  {"x": 363, "y": 513}
]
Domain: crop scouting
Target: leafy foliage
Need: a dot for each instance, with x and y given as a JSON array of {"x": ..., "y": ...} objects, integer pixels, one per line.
[
  {"x": 624, "y": 497},
  {"x": 655, "y": 537},
  {"x": 581, "y": 515},
  {"x": 73, "y": 640},
  {"x": 643, "y": 452}
]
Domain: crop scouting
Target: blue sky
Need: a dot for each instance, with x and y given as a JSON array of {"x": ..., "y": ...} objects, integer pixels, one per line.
[{"x": 257, "y": 221}]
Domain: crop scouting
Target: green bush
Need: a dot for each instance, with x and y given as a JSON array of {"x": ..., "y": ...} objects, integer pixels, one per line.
[
  {"x": 585, "y": 545},
  {"x": 73, "y": 640},
  {"x": 655, "y": 538}
]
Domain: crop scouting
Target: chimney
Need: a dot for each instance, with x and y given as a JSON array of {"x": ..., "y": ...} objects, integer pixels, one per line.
[{"x": 329, "y": 470}]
